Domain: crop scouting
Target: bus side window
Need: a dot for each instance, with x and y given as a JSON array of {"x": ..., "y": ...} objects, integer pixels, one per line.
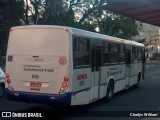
[
  {"x": 127, "y": 55},
  {"x": 98, "y": 59},
  {"x": 134, "y": 54},
  {"x": 121, "y": 53},
  {"x": 105, "y": 52},
  {"x": 81, "y": 51},
  {"x": 75, "y": 41},
  {"x": 114, "y": 55},
  {"x": 139, "y": 54}
]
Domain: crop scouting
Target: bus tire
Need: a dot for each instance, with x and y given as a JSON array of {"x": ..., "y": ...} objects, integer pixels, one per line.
[
  {"x": 2, "y": 90},
  {"x": 138, "y": 81},
  {"x": 110, "y": 90}
]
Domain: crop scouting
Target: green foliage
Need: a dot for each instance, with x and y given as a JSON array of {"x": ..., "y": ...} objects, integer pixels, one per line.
[
  {"x": 83, "y": 14},
  {"x": 118, "y": 26},
  {"x": 11, "y": 15}
]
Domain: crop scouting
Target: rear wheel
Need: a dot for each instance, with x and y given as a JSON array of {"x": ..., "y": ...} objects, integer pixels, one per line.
[
  {"x": 138, "y": 81},
  {"x": 110, "y": 90},
  {"x": 1, "y": 90}
]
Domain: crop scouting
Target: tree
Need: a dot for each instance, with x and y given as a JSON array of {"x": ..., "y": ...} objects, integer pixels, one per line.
[
  {"x": 87, "y": 12},
  {"x": 37, "y": 10},
  {"x": 56, "y": 13},
  {"x": 11, "y": 15},
  {"x": 26, "y": 18},
  {"x": 118, "y": 26},
  {"x": 66, "y": 12}
]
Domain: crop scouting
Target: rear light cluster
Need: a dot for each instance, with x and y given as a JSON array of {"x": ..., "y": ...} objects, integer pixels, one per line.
[
  {"x": 8, "y": 78},
  {"x": 64, "y": 85}
]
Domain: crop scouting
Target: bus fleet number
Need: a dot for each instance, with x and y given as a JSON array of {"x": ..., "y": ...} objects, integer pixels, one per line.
[
  {"x": 35, "y": 76},
  {"x": 81, "y": 83}
]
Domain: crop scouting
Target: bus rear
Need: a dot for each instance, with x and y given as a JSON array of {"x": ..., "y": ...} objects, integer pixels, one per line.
[{"x": 37, "y": 64}]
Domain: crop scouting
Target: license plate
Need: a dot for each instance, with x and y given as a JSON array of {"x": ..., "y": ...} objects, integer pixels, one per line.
[{"x": 35, "y": 84}]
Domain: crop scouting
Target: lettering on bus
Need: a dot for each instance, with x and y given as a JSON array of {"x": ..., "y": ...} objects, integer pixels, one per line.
[
  {"x": 115, "y": 71},
  {"x": 38, "y": 70},
  {"x": 81, "y": 83},
  {"x": 35, "y": 76},
  {"x": 34, "y": 66},
  {"x": 81, "y": 76},
  {"x": 36, "y": 59}
]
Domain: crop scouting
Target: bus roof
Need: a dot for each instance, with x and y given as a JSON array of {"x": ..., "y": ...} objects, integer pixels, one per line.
[
  {"x": 82, "y": 33},
  {"x": 105, "y": 37}
]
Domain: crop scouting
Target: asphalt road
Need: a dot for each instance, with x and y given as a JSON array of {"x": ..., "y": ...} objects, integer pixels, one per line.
[{"x": 144, "y": 99}]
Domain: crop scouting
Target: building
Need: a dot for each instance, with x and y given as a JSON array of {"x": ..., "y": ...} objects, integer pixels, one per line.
[{"x": 150, "y": 36}]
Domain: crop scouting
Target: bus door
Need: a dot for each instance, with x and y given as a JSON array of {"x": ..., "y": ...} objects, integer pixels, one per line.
[
  {"x": 95, "y": 72},
  {"x": 128, "y": 66}
]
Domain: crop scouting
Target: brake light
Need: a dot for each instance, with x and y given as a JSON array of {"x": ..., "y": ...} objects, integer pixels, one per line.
[
  {"x": 8, "y": 81},
  {"x": 64, "y": 84},
  {"x": 66, "y": 78}
]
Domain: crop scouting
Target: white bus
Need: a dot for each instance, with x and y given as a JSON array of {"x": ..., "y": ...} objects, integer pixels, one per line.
[{"x": 58, "y": 64}]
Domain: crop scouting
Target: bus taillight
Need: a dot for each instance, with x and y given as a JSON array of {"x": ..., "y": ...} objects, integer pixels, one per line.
[
  {"x": 8, "y": 78},
  {"x": 7, "y": 75},
  {"x": 8, "y": 81},
  {"x": 66, "y": 78},
  {"x": 63, "y": 88},
  {"x": 64, "y": 84}
]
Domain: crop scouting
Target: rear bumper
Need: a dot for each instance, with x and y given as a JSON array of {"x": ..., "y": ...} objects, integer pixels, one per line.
[{"x": 52, "y": 99}]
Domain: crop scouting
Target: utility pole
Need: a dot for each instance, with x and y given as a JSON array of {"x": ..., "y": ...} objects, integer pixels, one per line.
[{"x": 150, "y": 38}]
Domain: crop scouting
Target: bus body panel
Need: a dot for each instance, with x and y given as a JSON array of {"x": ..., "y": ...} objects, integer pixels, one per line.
[
  {"x": 117, "y": 72},
  {"x": 81, "y": 86},
  {"x": 135, "y": 70},
  {"x": 25, "y": 71},
  {"x": 36, "y": 61}
]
